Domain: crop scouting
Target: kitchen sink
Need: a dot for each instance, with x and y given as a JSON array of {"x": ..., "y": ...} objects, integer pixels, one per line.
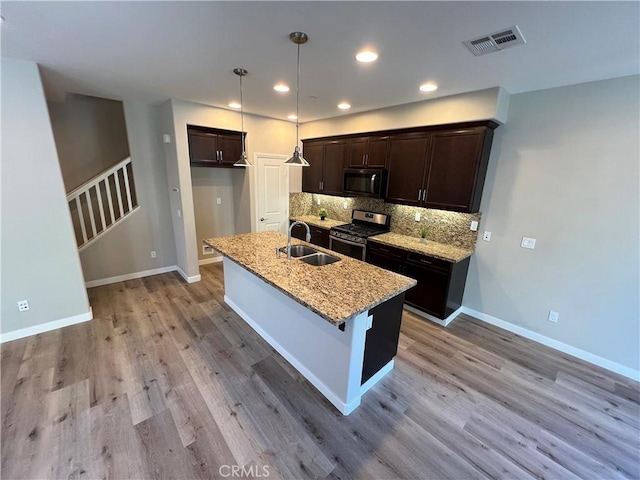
[
  {"x": 298, "y": 250},
  {"x": 319, "y": 259}
]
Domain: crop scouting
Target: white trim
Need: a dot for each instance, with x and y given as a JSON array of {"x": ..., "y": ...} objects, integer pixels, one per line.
[
  {"x": 344, "y": 408},
  {"x": 129, "y": 276},
  {"x": 46, "y": 327},
  {"x": 207, "y": 261},
  {"x": 364, "y": 388},
  {"x": 555, "y": 344},
  {"x": 187, "y": 278},
  {"x": 439, "y": 321}
]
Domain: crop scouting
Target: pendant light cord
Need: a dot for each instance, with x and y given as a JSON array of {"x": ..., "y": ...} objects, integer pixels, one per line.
[
  {"x": 298, "y": 99},
  {"x": 242, "y": 115}
]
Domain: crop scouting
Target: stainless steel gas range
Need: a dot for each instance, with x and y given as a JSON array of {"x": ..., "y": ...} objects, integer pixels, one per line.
[{"x": 351, "y": 238}]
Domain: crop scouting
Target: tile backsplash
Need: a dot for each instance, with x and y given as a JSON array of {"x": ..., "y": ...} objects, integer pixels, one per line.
[{"x": 451, "y": 228}]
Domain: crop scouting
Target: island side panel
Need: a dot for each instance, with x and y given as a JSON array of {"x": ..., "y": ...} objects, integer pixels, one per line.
[
  {"x": 329, "y": 358},
  {"x": 382, "y": 338}
]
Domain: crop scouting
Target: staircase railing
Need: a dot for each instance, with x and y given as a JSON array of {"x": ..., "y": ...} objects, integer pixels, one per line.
[{"x": 114, "y": 189}]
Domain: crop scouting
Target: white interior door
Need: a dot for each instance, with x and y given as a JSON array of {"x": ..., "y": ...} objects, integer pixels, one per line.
[{"x": 272, "y": 192}]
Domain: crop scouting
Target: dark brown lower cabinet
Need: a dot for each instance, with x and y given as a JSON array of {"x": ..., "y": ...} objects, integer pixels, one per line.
[
  {"x": 319, "y": 236},
  {"x": 440, "y": 283}
]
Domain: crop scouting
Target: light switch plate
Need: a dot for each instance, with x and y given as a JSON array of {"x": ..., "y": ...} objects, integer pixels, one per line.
[
  {"x": 474, "y": 226},
  {"x": 528, "y": 243},
  {"x": 553, "y": 316},
  {"x": 219, "y": 201},
  {"x": 166, "y": 138},
  {"x": 487, "y": 236}
]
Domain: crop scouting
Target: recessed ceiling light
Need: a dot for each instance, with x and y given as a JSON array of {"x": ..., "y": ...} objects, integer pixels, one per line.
[
  {"x": 428, "y": 87},
  {"x": 292, "y": 117},
  {"x": 281, "y": 87},
  {"x": 366, "y": 56},
  {"x": 235, "y": 105},
  {"x": 344, "y": 106}
]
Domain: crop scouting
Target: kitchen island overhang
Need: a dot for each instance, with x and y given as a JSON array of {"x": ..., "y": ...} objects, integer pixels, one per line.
[{"x": 342, "y": 342}]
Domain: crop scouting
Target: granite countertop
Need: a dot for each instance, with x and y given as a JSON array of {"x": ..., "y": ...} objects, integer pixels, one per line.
[
  {"x": 413, "y": 244},
  {"x": 336, "y": 292},
  {"x": 316, "y": 222}
]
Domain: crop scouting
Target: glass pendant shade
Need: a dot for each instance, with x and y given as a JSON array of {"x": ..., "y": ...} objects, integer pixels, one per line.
[
  {"x": 242, "y": 161},
  {"x": 297, "y": 159}
]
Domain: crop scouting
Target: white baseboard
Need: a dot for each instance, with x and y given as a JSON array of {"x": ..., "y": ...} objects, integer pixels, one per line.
[
  {"x": 555, "y": 344},
  {"x": 46, "y": 327},
  {"x": 187, "y": 278},
  {"x": 439, "y": 321},
  {"x": 208, "y": 261},
  {"x": 129, "y": 276}
]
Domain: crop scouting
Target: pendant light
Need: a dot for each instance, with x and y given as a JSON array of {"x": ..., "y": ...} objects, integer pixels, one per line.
[
  {"x": 298, "y": 38},
  {"x": 242, "y": 161}
]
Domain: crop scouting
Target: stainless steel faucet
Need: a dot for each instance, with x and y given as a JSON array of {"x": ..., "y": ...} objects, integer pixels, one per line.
[{"x": 289, "y": 236}]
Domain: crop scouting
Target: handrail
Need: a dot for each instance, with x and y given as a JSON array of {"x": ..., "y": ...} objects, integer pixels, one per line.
[
  {"x": 97, "y": 179},
  {"x": 93, "y": 219}
]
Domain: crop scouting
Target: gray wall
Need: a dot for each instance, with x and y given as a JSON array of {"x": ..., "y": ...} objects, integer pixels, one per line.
[
  {"x": 565, "y": 170},
  {"x": 90, "y": 135},
  {"x": 127, "y": 248},
  {"x": 213, "y": 219},
  {"x": 39, "y": 255}
]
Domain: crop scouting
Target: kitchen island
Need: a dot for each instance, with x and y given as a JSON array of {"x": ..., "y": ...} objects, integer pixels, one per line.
[{"x": 337, "y": 324}]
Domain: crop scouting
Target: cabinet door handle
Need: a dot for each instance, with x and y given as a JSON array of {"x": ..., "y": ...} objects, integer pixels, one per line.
[
  {"x": 419, "y": 194},
  {"x": 221, "y": 158},
  {"x": 424, "y": 194},
  {"x": 425, "y": 261}
]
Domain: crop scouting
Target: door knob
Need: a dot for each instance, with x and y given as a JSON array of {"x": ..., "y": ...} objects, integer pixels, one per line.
[{"x": 262, "y": 219}]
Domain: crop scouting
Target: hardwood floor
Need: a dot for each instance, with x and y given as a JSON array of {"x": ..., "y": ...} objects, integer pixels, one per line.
[{"x": 168, "y": 382}]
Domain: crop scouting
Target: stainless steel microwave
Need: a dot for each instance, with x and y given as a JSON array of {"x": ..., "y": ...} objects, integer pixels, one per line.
[{"x": 365, "y": 182}]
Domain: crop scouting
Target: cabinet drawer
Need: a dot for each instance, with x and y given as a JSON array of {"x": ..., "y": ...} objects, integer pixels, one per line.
[
  {"x": 385, "y": 250},
  {"x": 429, "y": 262}
]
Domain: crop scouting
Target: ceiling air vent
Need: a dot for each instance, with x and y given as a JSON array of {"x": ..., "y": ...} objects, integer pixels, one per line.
[{"x": 505, "y": 38}]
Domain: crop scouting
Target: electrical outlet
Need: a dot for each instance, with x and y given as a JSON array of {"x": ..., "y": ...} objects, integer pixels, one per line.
[
  {"x": 207, "y": 250},
  {"x": 345, "y": 205},
  {"x": 528, "y": 243},
  {"x": 318, "y": 201},
  {"x": 219, "y": 201},
  {"x": 166, "y": 138},
  {"x": 153, "y": 254},
  {"x": 23, "y": 305},
  {"x": 417, "y": 216},
  {"x": 179, "y": 213},
  {"x": 553, "y": 316},
  {"x": 474, "y": 226},
  {"x": 487, "y": 236}
]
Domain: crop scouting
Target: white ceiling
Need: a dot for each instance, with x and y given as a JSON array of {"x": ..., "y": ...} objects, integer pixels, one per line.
[{"x": 156, "y": 50}]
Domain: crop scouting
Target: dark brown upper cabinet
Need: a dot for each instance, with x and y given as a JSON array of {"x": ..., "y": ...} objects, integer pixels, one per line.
[
  {"x": 440, "y": 166},
  {"x": 442, "y": 169},
  {"x": 209, "y": 147},
  {"x": 407, "y": 166},
  {"x": 369, "y": 151},
  {"x": 327, "y": 160}
]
